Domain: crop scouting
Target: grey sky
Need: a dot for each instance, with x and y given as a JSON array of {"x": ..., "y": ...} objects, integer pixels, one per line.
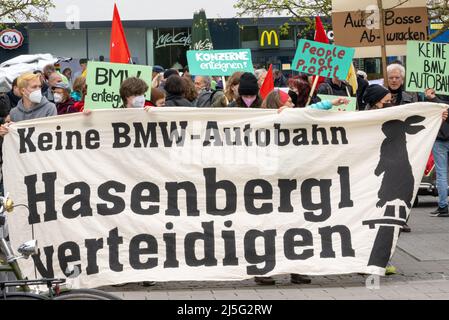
[{"x": 101, "y": 10}]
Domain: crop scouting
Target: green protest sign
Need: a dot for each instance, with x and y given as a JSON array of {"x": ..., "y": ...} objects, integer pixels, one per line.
[
  {"x": 351, "y": 106},
  {"x": 104, "y": 81},
  {"x": 219, "y": 62},
  {"x": 427, "y": 67},
  {"x": 323, "y": 59}
]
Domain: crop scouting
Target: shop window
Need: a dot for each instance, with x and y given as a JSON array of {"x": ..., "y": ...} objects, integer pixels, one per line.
[{"x": 170, "y": 47}]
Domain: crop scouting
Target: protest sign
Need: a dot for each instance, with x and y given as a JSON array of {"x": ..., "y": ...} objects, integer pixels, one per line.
[
  {"x": 104, "y": 81},
  {"x": 323, "y": 59},
  {"x": 219, "y": 62},
  {"x": 351, "y": 106},
  {"x": 427, "y": 67},
  {"x": 357, "y": 24},
  {"x": 214, "y": 195}
]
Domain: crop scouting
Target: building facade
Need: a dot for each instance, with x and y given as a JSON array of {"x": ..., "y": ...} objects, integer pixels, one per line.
[{"x": 161, "y": 42}]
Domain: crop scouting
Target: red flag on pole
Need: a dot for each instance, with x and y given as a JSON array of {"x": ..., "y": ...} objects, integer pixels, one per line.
[
  {"x": 320, "y": 36},
  {"x": 119, "y": 51},
  {"x": 320, "y": 33},
  {"x": 268, "y": 84}
]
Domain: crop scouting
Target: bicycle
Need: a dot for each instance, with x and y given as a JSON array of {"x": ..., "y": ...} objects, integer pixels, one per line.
[{"x": 9, "y": 264}]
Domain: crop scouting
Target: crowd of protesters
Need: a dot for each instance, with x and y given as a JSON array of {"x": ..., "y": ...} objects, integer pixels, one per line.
[{"x": 50, "y": 93}]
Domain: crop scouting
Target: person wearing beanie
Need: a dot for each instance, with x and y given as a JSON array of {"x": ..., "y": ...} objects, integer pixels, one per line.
[
  {"x": 170, "y": 72},
  {"x": 248, "y": 93},
  {"x": 63, "y": 101},
  {"x": 377, "y": 97}
]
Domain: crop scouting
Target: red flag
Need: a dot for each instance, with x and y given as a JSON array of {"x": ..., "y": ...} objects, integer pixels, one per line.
[
  {"x": 119, "y": 47},
  {"x": 268, "y": 84},
  {"x": 430, "y": 165},
  {"x": 320, "y": 36}
]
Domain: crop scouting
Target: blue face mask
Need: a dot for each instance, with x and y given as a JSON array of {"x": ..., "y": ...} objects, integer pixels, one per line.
[{"x": 138, "y": 102}]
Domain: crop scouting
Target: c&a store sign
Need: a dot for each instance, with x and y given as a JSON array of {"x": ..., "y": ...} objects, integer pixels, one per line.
[{"x": 11, "y": 39}]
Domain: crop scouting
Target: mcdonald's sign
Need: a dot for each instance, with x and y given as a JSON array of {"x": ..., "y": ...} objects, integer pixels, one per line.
[{"x": 269, "y": 38}]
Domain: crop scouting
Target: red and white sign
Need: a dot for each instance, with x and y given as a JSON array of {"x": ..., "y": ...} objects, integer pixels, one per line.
[{"x": 11, "y": 39}]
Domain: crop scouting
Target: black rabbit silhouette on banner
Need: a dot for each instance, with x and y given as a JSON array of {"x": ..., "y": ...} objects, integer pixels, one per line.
[{"x": 398, "y": 183}]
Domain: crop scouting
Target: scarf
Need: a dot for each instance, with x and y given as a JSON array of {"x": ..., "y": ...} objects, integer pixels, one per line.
[{"x": 398, "y": 94}]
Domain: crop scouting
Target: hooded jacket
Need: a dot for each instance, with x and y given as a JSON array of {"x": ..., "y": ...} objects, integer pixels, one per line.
[
  {"x": 330, "y": 88},
  {"x": 42, "y": 110},
  {"x": 177, "y": 101}
]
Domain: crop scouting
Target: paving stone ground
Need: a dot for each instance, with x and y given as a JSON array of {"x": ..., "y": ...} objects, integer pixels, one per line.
[{"x": 422, "y": 261}]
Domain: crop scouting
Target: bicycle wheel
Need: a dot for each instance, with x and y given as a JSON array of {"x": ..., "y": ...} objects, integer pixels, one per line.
[
  {"x": 22, "y": 296},
  {"x": 86, "y": 294}
]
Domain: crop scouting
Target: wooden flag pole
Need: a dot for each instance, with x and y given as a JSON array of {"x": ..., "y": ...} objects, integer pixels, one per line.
[
  {"x": 312, "y": 92},
  {"x": 382, "y": 42},
  {"x": 223, "y": 79}
]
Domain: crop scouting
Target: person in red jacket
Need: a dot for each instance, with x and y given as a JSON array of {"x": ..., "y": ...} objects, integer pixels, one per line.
[{"x": 63, "y": 101}]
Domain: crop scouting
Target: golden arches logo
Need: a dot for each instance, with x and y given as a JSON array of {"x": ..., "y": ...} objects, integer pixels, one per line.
[{"x": 269, "y": 36}]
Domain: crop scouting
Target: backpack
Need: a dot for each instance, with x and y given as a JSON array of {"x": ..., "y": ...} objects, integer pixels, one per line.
[{"x": 207, "y": 98}]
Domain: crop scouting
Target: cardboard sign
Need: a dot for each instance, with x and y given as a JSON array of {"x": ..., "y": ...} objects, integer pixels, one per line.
[
  {"x": 104, "y": 81},
  {"x": 357, "y": 24},
  {"x": 322, "y": 59},
  {"x": 219, "y": 62},
  {"x": 427, "y": 67},
  {"x": 355, "y": 29},
  {"x": 351, "y": 106}
]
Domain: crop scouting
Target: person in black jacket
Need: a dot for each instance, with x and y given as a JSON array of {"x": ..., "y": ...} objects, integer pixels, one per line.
[
  {"x": 362, "y": 85},
  {"x": 440, "y": 154},
  {"x": 335, "y": 87},
  {"x": 9, "y": 101},
  {"x": 174, "y": 86}
]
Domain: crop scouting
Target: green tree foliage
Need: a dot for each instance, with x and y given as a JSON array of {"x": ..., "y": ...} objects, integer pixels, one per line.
[
  {"x": 439, "y": 13},
  {"x": 22, "y": 11},
  {"x": 305, "y": 9}
]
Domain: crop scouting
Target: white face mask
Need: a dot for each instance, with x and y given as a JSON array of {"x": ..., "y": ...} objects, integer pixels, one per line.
[
  {"x": 58, "y": 97},
  {"x": 35, "y": 96},
  {"x": 138, "y": 102}
]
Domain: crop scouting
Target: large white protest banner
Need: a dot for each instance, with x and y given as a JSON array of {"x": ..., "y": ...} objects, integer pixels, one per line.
[{"x": 188, "y": 194}]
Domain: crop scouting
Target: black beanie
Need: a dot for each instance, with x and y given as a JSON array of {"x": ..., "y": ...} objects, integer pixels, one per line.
[
  {"x": 248, "y": 85},
  {"x": 374, "y": 93},
  {"x": 170, "y": 72}
]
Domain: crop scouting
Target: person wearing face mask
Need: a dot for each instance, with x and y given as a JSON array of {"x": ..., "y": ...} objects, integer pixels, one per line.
[
  {"x": 377, "y": 97},
  {"x": 132, "y": 92},
  {"x": 64, "y": 102},
  {"x": 53, "y": 79},
  {"x": 248, "y": 93},
  {"x": 300, "y": 91},
  {"x": 32, "y": 105}
]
